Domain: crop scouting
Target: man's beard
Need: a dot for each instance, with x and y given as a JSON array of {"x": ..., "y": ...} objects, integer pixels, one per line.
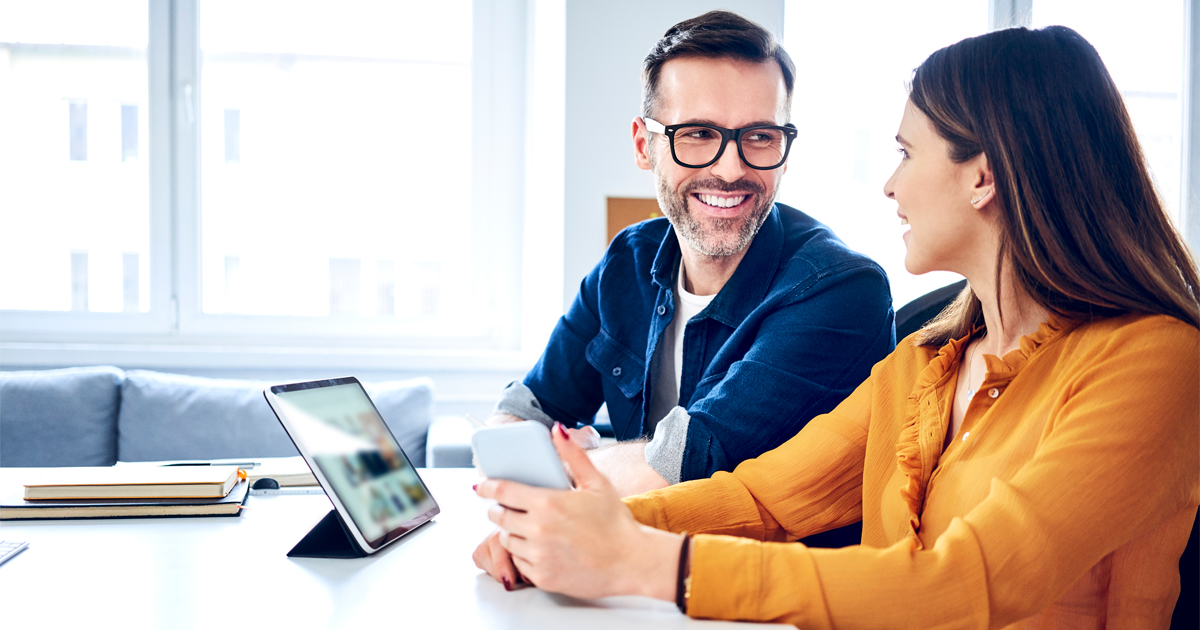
[{"x": 716, "y": 238}]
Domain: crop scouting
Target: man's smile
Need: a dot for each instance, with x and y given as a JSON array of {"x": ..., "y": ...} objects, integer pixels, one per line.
[
  {"x": 720, "y": 201},
  {"x": 722, "y": 205}
]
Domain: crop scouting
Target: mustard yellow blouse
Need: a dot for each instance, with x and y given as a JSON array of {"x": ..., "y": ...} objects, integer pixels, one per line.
[{"x": 1065, "y": 501}]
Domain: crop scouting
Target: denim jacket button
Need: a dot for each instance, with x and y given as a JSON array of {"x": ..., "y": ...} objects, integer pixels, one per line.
[
  {"x": 617, "y": 370},
  {"x": 662, "y": 310}
]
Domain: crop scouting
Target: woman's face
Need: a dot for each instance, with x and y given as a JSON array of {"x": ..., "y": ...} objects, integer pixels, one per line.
[{"x": 941, "y": 229}]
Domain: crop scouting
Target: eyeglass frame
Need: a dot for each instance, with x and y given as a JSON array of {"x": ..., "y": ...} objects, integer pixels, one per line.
[{"x": 789, "y": 132}]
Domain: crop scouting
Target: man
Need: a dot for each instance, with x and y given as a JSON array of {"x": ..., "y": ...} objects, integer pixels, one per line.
[{"x": 715, "y": 334}]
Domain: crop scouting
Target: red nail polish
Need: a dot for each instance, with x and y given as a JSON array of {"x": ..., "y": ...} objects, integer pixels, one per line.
[
  {"x": 562, "y": 431},
  {"x": 507, "y": 584},
  {"x": 475, "y": 487}
]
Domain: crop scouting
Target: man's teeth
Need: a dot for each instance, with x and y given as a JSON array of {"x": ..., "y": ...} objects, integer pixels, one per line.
[{"x": 721, "y": 202}]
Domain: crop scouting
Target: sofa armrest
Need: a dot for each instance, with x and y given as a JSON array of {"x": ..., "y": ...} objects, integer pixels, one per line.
[{"x": 448, "y": 444}]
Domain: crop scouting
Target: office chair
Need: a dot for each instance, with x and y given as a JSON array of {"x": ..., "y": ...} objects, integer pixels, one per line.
[
  {"x": 912, "y": 316},
  {"x": 1187, "y": 609}
]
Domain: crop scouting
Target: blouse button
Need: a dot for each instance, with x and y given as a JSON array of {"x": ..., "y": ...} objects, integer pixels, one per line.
[
  {"x": 993, "y": 392},
  {"x": 966, "y": 435},
  {"x": 662, "y": 310},
  {"x": 616, "y": 371}
]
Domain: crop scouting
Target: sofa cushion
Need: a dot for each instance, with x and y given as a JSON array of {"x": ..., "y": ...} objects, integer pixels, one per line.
[
  {"x": 59, "y": 417},
  {"x": 168, "y": 416}
]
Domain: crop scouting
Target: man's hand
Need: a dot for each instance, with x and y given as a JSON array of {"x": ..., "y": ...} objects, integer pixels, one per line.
[
  {"x": 498, "y": 419},
  {"x": 583, "y": 543},
  {"x": 625, "y": 466},
  {"x": 586, "y": 438}
]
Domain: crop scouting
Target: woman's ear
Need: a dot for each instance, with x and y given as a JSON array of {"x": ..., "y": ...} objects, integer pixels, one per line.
[
  {"x": 641, "y": 145},
  {"x": 983, "y": 184}
]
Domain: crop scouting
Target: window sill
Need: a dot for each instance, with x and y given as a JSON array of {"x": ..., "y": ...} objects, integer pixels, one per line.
[{"x": 166, "y": 356}]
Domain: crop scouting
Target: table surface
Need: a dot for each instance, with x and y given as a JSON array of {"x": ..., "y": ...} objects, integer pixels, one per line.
[{"x": 210, "y": 572}]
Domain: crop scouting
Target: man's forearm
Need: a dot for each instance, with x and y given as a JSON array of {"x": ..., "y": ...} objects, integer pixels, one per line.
[{"x": 625, "y": 466}]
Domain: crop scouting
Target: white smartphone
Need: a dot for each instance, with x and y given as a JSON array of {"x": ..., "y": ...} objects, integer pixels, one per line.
[{"x": 521, "y": 452}]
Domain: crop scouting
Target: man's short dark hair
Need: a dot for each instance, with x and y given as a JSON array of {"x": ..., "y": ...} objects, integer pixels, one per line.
[{"x": 714, "y": 35}]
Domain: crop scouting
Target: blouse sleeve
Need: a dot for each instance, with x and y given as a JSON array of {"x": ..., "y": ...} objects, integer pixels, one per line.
[
  {"x": 809, "y": 484},
  {"x": 1119, "y": 456}
]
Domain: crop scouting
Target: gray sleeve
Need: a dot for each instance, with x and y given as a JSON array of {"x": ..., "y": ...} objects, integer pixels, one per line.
[
  {"x": 664, "y": 453},
  {"x": 519, "y": 401}
]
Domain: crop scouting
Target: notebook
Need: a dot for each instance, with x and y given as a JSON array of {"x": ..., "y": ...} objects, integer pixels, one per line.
[
  {"x": 121, "y": 482},
  {"x": 15, "y": 507}
]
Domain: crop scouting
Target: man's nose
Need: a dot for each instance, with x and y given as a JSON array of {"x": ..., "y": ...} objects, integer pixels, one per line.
[{"x": 730, "y": 167}]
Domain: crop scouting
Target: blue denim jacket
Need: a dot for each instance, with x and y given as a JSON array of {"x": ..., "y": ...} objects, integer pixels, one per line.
[{"x": 794, "y": 331}]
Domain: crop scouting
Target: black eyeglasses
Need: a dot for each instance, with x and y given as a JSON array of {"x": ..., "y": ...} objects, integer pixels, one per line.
[{"x": 762, "y": 147}]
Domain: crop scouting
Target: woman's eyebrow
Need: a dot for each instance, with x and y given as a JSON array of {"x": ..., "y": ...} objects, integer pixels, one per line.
[{"x": 902, "y": 141}]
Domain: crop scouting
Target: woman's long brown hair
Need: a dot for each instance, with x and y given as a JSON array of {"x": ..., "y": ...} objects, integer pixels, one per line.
[{"x": 1082, "y": 228}]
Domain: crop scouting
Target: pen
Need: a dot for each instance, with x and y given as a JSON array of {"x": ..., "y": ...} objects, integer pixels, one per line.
[{"x": 238, "y": 464}]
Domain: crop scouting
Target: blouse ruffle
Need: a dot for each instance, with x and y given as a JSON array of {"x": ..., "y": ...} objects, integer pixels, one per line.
[{"x": 908, "y": 448}]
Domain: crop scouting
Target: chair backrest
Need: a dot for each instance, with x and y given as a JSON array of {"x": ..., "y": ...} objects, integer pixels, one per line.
[
  {"x": 912, "y": 316},
  {"x": 1187, "y": 609}
]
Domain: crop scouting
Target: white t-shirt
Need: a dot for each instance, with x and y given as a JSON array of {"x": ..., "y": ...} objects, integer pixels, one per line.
[{"x": 668, "y": 357}]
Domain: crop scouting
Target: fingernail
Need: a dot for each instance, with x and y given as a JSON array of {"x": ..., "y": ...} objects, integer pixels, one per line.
[
  {"x": 475, "y": 487},
  {"x": 507, "y": 584},
  {"x": 562, "y": 431}
]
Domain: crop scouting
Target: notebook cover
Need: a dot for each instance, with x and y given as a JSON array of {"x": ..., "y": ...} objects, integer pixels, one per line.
[{"x": 121, "y": 482}]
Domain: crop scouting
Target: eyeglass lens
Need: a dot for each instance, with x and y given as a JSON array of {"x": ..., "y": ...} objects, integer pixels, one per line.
[{"x": 696, "y": 146}]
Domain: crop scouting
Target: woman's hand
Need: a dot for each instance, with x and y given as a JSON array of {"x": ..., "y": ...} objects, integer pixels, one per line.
[
  {"x": 496, "y": 561},
  {"x": 583, "y": 543}
]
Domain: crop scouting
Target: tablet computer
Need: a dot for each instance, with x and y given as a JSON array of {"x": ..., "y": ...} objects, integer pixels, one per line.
[{"x": 356, "y": 459}]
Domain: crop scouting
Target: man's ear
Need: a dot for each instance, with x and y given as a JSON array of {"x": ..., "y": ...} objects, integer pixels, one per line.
[
  {"x": 641, "y": 144},
  {"x": 983, "y": 184}
]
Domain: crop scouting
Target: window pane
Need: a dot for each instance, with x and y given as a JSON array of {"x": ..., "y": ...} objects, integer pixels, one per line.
[
  {"x": 852, "y": 71},
  {"x": 74, "y": 197},
  {"x": 335, "y": 158},
  {"x": 1142, "y": 45}
]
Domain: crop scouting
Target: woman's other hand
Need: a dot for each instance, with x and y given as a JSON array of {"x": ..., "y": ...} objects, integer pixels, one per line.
[
  {"x": 583, "y": 542},
  {"x": 496, "y": 561}
]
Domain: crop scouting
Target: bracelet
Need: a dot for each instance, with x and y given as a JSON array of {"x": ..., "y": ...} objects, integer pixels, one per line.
[{"x": 683, "y": 581}]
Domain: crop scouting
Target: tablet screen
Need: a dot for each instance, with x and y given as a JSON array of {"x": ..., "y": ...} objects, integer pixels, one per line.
[{"x": 337, "y": 425}]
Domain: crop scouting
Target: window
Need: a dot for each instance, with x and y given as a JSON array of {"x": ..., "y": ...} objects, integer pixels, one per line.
[
  {"x": 129, "y": 133},
  {"x": 1142, "y": 45},
  {"x": 74, "y": 200},
  {"x": 849, "y": 114},
  {"x": 264, "y": 172},
  {"x": 850, "y": 95},
  {"x": 78, "y": 134},
  {"x": 350, "y": 140}
]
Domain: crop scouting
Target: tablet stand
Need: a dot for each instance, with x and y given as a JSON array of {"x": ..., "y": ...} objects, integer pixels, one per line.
[{"x": 328, "y": 539}]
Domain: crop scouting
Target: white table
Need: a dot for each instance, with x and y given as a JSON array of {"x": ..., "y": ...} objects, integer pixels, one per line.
[{"x": 234, "y": 572}]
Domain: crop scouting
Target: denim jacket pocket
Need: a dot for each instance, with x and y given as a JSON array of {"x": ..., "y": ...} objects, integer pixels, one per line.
[{"x": 616, "y": 364}]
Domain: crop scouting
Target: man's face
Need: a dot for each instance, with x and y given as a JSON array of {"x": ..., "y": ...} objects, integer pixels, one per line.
[{"x": 716, "y": 210}]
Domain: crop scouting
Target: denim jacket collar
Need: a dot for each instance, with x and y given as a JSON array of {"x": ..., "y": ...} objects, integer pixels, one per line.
[{"x": 748, "y": 286}]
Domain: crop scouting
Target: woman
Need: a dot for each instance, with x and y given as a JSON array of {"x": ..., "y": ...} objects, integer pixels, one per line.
[{"x": 1030, "y": 459}]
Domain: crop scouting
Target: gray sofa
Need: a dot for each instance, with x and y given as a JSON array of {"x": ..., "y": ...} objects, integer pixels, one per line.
[{"x": 96, "y": 416}]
